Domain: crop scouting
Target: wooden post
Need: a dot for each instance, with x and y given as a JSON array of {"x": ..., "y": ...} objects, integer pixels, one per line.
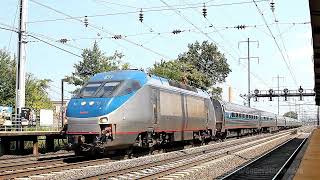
[
  {"x": 2, "y": 148},
  {"x": 35, "y": 146},
  {"x": 49, "y": 144},
  {"x": 20, "y": 146}
]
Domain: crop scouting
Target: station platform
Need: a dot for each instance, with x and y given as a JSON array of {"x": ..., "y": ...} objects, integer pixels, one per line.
[
  {"x": 309, "y": 167},
  {"x": 28, "y": 133},
  {"x": 19, "y": 137}
]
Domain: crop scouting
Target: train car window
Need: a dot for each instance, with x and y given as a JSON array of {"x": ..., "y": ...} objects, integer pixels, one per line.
[
  {"x": 127, "y": 87},
  {"x": 108, "y": 88},
  {"x": 90, "y": 89},
  {"x": 232, "y": 115},
  {"x": 135, "y": 85},
  {"x": 247, "y": 116}
]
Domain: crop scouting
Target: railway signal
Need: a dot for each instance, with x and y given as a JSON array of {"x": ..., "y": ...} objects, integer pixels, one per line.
[{"x": 300, "y": 92}]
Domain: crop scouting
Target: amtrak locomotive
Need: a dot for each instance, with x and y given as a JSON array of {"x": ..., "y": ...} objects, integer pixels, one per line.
[{"x": 127, "y": 108}]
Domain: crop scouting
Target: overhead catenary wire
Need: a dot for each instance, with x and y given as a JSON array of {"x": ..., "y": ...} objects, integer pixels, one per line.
[
  {"x": 205, "y": 34},
  {"x": 13, "y": 23},
  {"x": 145, "y": 9},
  {"x": 34, "y": 35},
  {"x": 280, "y": 35},
  {"x": 176, "y": 31},
  {"x": 54, "y": 45},
  {"x": 8, "y": 29},
  {"x": 275, "y": 41},
  {"x": 54, "y": 40},
  {"x": 102, "y": 30}
]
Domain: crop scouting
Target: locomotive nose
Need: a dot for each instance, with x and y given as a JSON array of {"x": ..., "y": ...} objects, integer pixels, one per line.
[{"x": 85, "y": 108}]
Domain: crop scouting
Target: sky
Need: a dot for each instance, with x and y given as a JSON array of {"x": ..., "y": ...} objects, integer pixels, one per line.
[{"x": 284, "y": 36}]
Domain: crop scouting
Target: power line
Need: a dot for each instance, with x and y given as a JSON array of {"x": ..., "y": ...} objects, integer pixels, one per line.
[
  {"x": 186, "y": 19},
  {"x": 8, "y": 29},
  {"x": 13, "y": 23},
  {"x": 54, "y": 46},
  {"x": 146, "y": 9},
  {"x": 206, "y": 34},
  {"x": 101, "y": 29},
  {"x": 176, "y": 31},
  {"x": 30, "y": 34},
  {"x": 280, "y": 34},
  {"x": 54, "y": 40},
  {"x": 276, "y": 42},
  {"x": 118, "y": 4}
]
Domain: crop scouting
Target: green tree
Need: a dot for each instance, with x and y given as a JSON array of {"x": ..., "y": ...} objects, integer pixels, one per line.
[
  {"x": 94, "y": 61},
  {"x": 209, "y": 61},
  {"x": 7, "y": 78},
  {"x": 36, "y": 93},
  {"x": 202, "y": 66},
  {"x": 36, "y": 89},
  {"x": 291, "y": 114},
  {"x": 216, "y": 92}
]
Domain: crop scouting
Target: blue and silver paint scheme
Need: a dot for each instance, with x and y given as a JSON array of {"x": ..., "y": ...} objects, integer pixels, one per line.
[
  {"x": 83, "y": 113},
  {"x": 144, "y": 110}
]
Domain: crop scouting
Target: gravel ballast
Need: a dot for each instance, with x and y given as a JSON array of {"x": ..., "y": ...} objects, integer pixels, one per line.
[
  {"x": 119, "y": 165},
  {"x": 220, "y": 166}
]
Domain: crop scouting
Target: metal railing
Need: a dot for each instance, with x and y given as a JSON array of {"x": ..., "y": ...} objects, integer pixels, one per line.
[{"x": 20, "y": 124}]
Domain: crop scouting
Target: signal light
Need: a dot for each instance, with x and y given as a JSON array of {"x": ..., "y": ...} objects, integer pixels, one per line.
[
  {"x": 285, "y": 91},
  {"x": 300, "y": 90},
  {"x": 270, "y": 93}
]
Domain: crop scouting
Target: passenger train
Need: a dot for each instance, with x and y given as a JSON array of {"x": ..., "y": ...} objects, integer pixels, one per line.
[{"x": 130, "y": 108}]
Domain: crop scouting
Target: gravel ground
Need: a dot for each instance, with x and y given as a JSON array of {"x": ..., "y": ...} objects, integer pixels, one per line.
[
  {"x": 220, "y": 166},
  {"x": 119, "y": 165}
]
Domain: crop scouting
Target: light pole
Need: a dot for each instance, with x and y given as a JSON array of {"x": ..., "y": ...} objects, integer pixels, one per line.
[{"x": 62, "y": 101}]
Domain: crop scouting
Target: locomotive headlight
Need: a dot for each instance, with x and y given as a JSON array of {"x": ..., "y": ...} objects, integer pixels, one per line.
[{"x": 103, "y": 120}]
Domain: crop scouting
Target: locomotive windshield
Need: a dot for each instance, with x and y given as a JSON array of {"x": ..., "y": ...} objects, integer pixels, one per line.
[
  {"x": 89, "y": 90},
  {"x": 109, "y": 88}
]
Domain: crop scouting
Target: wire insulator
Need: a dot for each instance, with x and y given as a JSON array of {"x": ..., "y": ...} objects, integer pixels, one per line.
[
  {"x": 240, "y": 27},
  {"x": 86, "y": 23},
  {"x": 117, "y": 37},
  {"x": 141, "y": 16},
  {"x": 177, "y": 31},
  {"x": 63, "y": 40},
  {"x": 272, "y": 6},
  {"x": 204, "y": 10}
]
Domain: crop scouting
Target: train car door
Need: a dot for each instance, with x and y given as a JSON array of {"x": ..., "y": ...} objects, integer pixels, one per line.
[
  {"x": 155, "y": 108},
  {"x": 184, "y": 119}
]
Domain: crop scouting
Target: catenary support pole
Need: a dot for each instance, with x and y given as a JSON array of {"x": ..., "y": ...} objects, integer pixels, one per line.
[
  {"x": 249, "y": 59},
  {"x": 21, "y": 72}
]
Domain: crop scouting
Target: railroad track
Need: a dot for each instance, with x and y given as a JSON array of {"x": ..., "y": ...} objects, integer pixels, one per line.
[
  {"x": 35, "y": 168},
  {"x": 47, "y": 168},
  {"x": 169, "y": 166},
  {"x": 28, "y": 159},
  {"x": 271, "y": 165}
]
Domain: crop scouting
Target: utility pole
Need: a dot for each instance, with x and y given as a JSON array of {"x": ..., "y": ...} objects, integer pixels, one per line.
[
  {"x": 248, "y": 58},
  {"x": 62, "y": 102},
  {"x": 21, "y": 72},
  {"x": 318, "y": 116},
  {"x": 278, "y": 78}
]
